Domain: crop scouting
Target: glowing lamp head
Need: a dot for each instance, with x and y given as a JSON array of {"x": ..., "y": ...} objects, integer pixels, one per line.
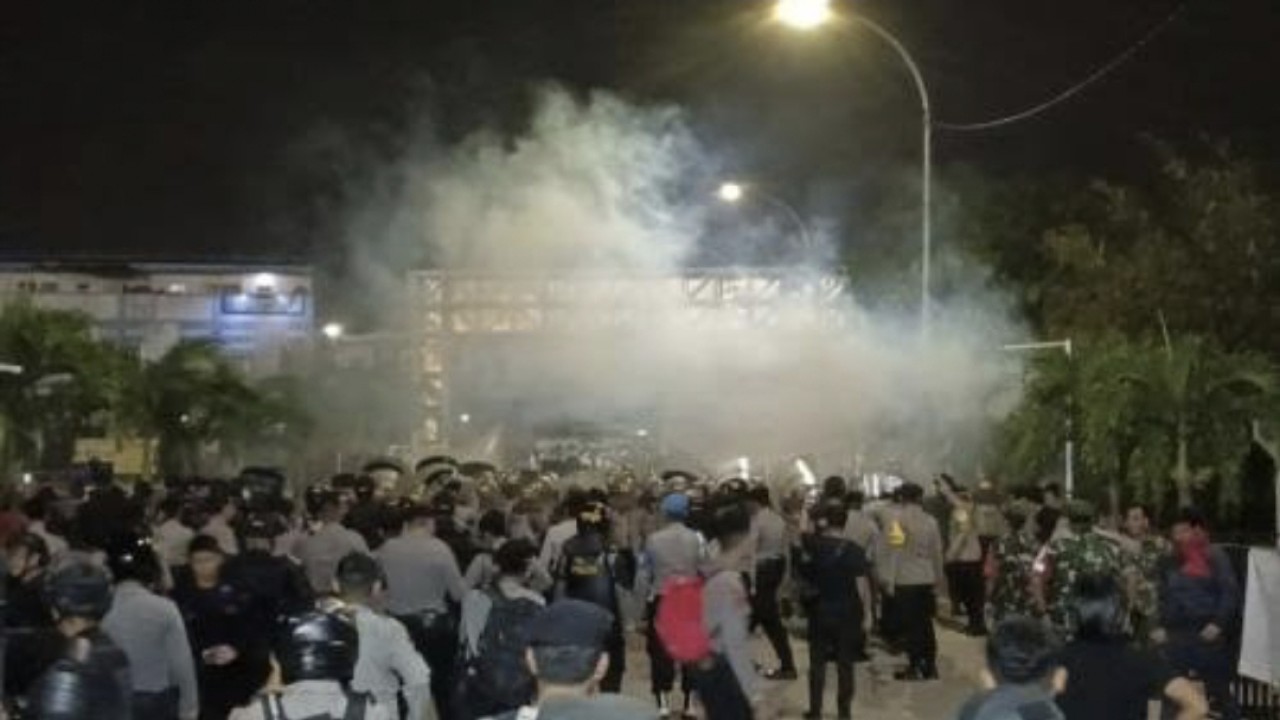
[
  {"x": 333, "y": 330},
  {"x": 802, "y": 14},
  {"x": 731, "y": 192},
  {"x": 263, "y": 283}
]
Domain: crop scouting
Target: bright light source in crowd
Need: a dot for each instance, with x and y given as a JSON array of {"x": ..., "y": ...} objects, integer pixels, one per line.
[
  {"x": 263, "y": 283},
  {"x": 731, "y": 192},
  {"x": 744, "y": 468},
  {"x": 642, "y": 433},
  {"x": 28, "y": 478},
  {"x": 802, "y": 14},
  {"x": 806, "y": 474},
  {"x": 333, "y": 330},
  {"x": 464, "y": 418}
]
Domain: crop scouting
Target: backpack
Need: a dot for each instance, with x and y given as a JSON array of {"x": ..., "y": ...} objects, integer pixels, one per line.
[
  {"x": 496, "y": 677},
  {"x": 273, "y": 708},
  {"x": 679, "y": 624},
  {"x": 977, "y": 708}
]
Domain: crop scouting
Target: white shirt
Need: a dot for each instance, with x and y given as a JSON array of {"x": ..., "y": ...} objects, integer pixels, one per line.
[
  {"x": 387, "y": 661},
  {"x": 219, "y": 530},
  {"x": 311, "y": 698},
  {"x": 553, "y": 545},
  {"x": 172, "y": 540},
  {"x": 321, "y": 552}
]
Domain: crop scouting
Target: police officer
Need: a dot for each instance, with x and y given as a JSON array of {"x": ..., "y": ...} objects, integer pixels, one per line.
[
  {"x": 322, "y": 550},
  {"x": 588, "y": 571},
  {"x": 150, "y": 630},
  {"x": 387, "y": 663},
  {"x": 79, "y": 595},
  {"x": 670, "y": 552},
  {"x": 909, "y": 564},
  {"x": 368, "y": 516},
  {"x": 769, "y": 535},
  {"x": 317, "y": 654},
  {"x": 422, "y": 577},
  {"x": 276, "y": 585}
]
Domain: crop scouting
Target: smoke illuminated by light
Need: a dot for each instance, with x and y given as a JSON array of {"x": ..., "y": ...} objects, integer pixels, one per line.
[{"x": 806, "y": 474}]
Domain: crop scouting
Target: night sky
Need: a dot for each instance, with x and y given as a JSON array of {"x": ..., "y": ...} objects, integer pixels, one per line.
[{"x": 180, "y": 129}]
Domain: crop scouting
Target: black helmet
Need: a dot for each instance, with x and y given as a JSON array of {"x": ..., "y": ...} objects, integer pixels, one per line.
[
  {"x": 79, "y": 588},
  {"x": 365, "y": 487},
  {"x": 263, "y": 526},
  {"x": 131, "y": 557},
  {"x": 317, "y": 646},
  {"x": 593, "y": 516},
  {"x": 63, "y": 693}
]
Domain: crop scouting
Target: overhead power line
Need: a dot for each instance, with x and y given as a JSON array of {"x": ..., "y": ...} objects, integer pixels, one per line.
[{"x": 1075, "y": 89}]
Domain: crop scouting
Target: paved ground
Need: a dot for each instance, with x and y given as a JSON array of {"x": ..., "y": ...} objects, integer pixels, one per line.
[{"x": 878, "y": 696}]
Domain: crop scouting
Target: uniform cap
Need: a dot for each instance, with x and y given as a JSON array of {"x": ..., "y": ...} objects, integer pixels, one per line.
[
  {"x": 570, "y": 623},
  {"x": 676, "y": 506}
]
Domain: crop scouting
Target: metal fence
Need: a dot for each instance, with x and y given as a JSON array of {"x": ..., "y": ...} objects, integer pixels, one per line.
[{"x": 1258, "y": 700}]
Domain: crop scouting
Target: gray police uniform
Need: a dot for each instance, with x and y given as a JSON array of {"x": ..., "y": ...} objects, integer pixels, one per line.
[
  {"x": 307, "y": 699},
  {"x": 150, "y": 631}
]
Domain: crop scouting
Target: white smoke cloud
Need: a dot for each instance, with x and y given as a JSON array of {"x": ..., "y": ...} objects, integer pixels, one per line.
[{"x": 599, "y": 188}]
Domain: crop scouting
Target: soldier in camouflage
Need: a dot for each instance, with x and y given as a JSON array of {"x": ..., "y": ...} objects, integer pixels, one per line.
[
  {"x": 1080, "y": 551},
  {"x": 1009, "y": 571},
  {"x": 1146, "y": 550}
]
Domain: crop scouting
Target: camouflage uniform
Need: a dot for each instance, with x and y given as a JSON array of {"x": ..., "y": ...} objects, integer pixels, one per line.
[
  {"x": 1145, "y": 599},
  {"x": 1015, "y": 554},
  {"x": 1068, "y": 559}
]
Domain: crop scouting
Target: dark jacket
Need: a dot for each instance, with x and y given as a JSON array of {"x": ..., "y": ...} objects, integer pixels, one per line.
[{"x": 1190, "y": 603}]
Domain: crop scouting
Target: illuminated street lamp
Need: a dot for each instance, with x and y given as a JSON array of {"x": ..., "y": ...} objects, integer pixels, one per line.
[
  {"x": 802, "y": 14},
  {"x": 730, "y": 192},
  {"x": 333, "y": 330},
  {"x": 810, "y": 14},
  {"x": 734, "y": 192}
]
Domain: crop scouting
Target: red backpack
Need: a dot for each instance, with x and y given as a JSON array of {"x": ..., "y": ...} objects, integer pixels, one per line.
[{"x": 679, "y": 624}]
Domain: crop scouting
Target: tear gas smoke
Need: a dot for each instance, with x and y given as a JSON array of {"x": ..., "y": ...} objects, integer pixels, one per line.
[{"x": 599, "y": 188}]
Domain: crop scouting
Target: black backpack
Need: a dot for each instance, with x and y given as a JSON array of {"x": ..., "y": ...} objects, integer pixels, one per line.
[{"x": 495, "y": 676}]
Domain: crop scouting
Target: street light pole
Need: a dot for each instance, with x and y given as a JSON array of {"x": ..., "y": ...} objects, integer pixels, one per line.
[
  {"x": 733, "y": 192},
  {"x": 1068, "y": 349},
  {"x": 807, "y": 15},
  {"x": 926, "y": 166}
]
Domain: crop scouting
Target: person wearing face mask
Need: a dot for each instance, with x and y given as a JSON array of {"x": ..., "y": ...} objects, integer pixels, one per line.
[{"x": 1199, "y": 601}]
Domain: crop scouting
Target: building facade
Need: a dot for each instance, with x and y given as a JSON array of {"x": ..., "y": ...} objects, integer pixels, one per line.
[{"x": 253, "y": 312}]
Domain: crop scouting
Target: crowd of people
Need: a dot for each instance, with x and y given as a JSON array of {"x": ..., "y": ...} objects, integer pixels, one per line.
[{"x": 439, "y": 593}]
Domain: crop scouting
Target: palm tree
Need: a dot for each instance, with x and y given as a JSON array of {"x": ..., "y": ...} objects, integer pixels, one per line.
[
  {"x": 191, "y": 397},
  {"x": 1151, "y": 419},
  {"x": 66, "y": 385}
]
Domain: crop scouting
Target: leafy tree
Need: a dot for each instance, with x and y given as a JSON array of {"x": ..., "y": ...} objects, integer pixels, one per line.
[
  {"x": 1156, "y": 421},
  {"x": 65, "y": 389},
  {"x": 1198, "y": 249},
  {"x": 190, "y": 398}
]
